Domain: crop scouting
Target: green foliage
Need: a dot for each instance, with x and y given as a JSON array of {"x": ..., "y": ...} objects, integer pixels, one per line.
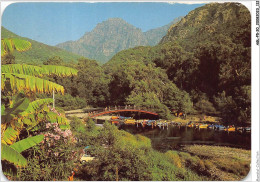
[
  {"x": 132, "y": 158},
  {"x": 38, "y": 71},
  {"x": 9, "y": 135},
  {"x": 12, "y": 152},
  {"x": 18, "y": 77},
  {"x": 58, "y": 70},
  {"x": 55, "y": 60},
  {"x": 9, "y": 45},
  {"x": 21, "y": 69},
  {"x": 53, "y": 158},
  {"x": 27, "y": 143},
  {"x": 144, "y": 85},
  {"x": 11, "y": 155},
  {"x": 205, "y": 106},
  {"x": 39, "y": 52},
  {"x": 67, "y": 102},
  {"x": 8, "y": 58},
  {"x": 181, "y": 66},
  {"x": 90, "y": 84},
  {"x": 206, "y": 52},
  {"x": 19, "y": 82},
  {"x": 19, "y": 104},
  {"x": 36, "y": 105}
]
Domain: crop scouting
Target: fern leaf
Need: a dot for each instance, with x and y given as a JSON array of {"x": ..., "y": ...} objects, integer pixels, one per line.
[
  {"x": 27, "y": 143},
  {"x": 11, "y": 155}
]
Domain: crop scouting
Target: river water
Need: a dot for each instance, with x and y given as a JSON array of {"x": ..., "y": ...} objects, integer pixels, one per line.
[{"x": 175, "y": 137}]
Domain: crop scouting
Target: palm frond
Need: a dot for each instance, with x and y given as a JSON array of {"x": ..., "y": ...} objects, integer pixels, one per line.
[
  {"x": 27, "y": 143},
  {"x": 19, "y": 82},
  {"x": 11, "y": 155},
  {"x": 22, "y": 69},
  {"x": 9, "y": 135},
  {"x": 21, "y": 45},
  {"x": 55, "y": 118},
  {"x": 38, "y": 71},
  {"x": 35, "y": 105},
  {"x": 58, "y": 70},
  {"x": 3, "y": 51},
  {"x": 9, "y": 45}
]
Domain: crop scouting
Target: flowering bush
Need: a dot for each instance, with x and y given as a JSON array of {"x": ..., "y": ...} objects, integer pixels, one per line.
[
  {"x": 56, "y": 141},
  {"x": 53, "y": 159}
]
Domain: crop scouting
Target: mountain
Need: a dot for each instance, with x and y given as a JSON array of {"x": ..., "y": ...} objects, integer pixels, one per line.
[
  {"x": 112, "y": 36},
  {"x": 207, "y": 54},
  {"x": 39, "y": 52},
  {"x": 213, "y": 20},
  {"x": 154, "y": 36}
]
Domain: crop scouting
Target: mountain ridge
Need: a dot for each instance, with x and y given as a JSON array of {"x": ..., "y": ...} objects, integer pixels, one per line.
[{"x": 111, "y": 36}]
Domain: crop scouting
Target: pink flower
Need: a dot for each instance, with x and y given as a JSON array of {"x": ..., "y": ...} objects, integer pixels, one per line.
[
  {"x": 57, "y": 137},
  {"x": 56, "y": 154},
  {"x": 58, "y": 130},
  {"x": 65, "y": 134},
  {"x": 48, "y": 125}
]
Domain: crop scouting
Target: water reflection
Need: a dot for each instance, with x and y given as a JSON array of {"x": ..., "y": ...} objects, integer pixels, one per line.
[{"x": 174, "y": 137}]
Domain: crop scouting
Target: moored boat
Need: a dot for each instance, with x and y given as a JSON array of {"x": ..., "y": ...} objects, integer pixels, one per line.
[
  {"x": 202, "y": 126},
  {"x": 130, "y": 121}
]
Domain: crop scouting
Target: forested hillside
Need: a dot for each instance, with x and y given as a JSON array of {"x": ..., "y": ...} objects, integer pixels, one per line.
[
  {"x": 202, "y": 66},
  {"x": 206, "y": 54},
  {"x": 38, "y": 53}
]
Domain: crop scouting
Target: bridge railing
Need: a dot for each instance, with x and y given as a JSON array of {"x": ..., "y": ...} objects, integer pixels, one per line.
[{"x": 114, "y": 108}]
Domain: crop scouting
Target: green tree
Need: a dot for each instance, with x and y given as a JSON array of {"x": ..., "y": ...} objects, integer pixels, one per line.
[
  {"x": 55, "y": 60},
  {"x": 91, "y": 83}
]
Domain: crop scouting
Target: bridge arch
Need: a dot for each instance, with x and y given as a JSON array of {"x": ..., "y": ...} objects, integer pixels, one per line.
[{"x": 122, "y": 110}]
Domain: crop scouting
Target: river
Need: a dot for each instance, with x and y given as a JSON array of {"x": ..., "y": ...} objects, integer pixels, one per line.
[{"x": 175, "y": 137}]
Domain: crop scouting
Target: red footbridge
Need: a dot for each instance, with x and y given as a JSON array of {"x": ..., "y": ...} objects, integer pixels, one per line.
[{"x": 119, "y": 109}]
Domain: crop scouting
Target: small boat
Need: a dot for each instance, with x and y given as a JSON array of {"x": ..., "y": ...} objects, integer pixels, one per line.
[
  {"x": 129, "y": 121},
  {"x": 230, "y": 129},
  {"x": 150, "y": 122},
  {"x": 115, "y": 117},
  {"x": 123, "y": 117},
  {"x": 190, "y": 124},
  {"x": 219, "y": 127},
  {"x": 211, "y": 126},
  {"x": 115, "y": 121},
  {"x": 247, "y": 129},
  {"x": 203, "y": 126}
]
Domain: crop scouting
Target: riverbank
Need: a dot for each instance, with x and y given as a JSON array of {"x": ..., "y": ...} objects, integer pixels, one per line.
[
  {"x": 222, "y": 163},
  {"x": 197, "y": 119}
]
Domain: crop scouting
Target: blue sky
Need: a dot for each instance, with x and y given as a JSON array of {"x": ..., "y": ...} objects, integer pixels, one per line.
[{"x": 53, "y": 23}]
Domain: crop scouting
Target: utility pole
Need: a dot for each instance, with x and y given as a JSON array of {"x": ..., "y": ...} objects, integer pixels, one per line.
[
  {"x": 53, "y": 100},
  {"x": 116, "y": 173}
]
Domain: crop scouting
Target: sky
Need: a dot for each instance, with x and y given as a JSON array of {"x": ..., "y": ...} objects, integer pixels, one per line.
[{"x": 53, "y": 23}]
